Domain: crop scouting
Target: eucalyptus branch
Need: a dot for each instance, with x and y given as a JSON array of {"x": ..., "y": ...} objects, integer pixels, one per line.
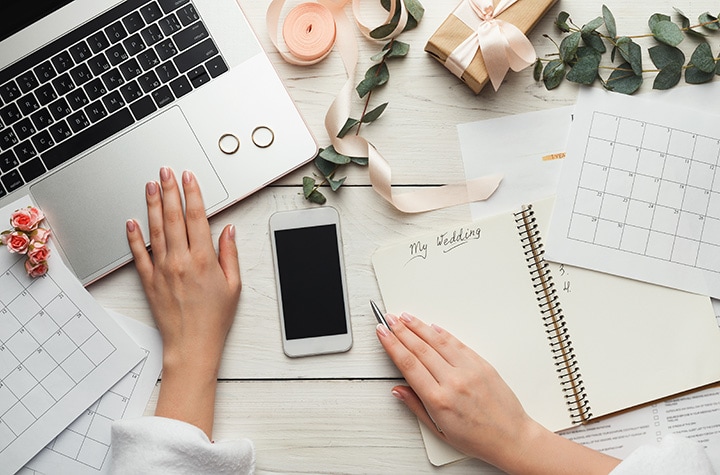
[{"x": 581, "y": 51}]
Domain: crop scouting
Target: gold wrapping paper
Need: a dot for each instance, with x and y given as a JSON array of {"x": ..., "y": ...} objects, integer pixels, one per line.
[{"x": 524, "y": 14}]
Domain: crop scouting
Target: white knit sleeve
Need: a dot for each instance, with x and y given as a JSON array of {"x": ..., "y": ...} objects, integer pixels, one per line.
[
  {"x": 160, "y": 445},
  {"x": 674, "y": 455}
]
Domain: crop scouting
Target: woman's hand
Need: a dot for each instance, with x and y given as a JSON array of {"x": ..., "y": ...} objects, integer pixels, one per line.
[
  {"x": 461, "y": 398},
  {"x": 193, "y": 294}
]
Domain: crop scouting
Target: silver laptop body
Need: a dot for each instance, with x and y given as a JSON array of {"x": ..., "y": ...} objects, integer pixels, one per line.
[{"x": 188, "y": 73}]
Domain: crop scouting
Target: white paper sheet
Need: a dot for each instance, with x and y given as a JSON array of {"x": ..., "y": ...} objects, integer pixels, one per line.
[
  {"x": 639, "y": 192},
  {"x": 84, "y": 447},
  {"x": 59, "y": 352}
]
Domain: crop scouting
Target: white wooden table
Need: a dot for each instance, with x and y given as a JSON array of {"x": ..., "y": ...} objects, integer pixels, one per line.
[{"x": 334, "y": 413}]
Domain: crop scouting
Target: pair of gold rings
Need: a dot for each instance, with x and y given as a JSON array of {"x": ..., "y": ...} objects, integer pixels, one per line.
[{"x": 261, "y": 136}]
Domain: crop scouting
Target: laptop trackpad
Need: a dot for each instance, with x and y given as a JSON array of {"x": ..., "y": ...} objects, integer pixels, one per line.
[{"x": 88, "y": 202}]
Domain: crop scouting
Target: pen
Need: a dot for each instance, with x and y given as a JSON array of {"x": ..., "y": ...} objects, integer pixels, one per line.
[{"x": 378, "y": 314}]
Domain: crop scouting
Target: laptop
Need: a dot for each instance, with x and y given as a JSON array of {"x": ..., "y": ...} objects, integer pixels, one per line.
[{"x": 97, "y": 95}]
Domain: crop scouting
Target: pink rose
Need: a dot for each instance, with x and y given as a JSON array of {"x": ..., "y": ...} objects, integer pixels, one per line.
[
  {"x": 40, "y": 235},
  {"x": 36, "y": 270},
  {"x": 26, "y": 219},
  {"x": 16, "y": 241},
  {"x": 38, "y": 254}
]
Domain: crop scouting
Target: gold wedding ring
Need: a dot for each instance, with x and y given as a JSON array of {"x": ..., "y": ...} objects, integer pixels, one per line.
[
  {"x": 263, "y": 136},
  {"x": 228, "y": 144}
]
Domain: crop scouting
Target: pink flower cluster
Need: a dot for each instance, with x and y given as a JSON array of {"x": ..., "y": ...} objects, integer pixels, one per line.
[{"x": 28, "y": 238}]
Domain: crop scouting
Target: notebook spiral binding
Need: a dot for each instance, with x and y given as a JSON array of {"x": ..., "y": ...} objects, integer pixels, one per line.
[{"x": 553, "y": 320}]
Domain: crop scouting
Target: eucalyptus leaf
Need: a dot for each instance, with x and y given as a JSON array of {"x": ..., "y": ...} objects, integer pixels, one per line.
[
  {"x": 335, "y": 184},
  {"x": 415, "y": 9},
  {"x": 349, "y": 124},
  {"x": 317, "y": 198},
  {"x": 376, "y": 76},
  {"x": 383, "y": 31},
  {"x": 374, "y": 114},
  {"x": 657, "y": 18},
  {"x": 569, "y": 46},
  {"x": 385, "y": 4},
  {"x": 593, "y": 25},
  {"x": 410, "y": 24},
  {"x": 624, "y": 80},
  {"x": 609, "y": 22},
  {"x": 668, "y": 77},
  {"x": 632, "y": 53},
  {"x": 398, "y": 49},
  {"x": 663, "y": 56},
  {"x": 537, "y": 69},
  {"x": 694, "y": 75},
  {"x": 362, "y": 161},
  {"x": 593, "y": 40},
  {"x": 708, "y": 21},
  {"x": 667, "y": 32},
  {"x": 702, "y": 58},
  {"x": 331, "y": 155},
  {"x": 325, "y": 167},
  {"x": 686, "y": 26},
  {"x": 379, "y": 56},
  {"x": 308, "y": 186},
  {"x": 561, "y": 22},
  {"x": 553, "y": 74},
  {"x": 585, "y": 70}
]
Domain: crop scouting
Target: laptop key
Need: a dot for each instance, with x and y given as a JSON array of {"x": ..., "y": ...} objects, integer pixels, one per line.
[
  {"x": 27, "y": 82},
  {"x": 80, "y": 74},
  {"x": 98, "y": 64},
  {"x": 12, "y": 180},
  {"x": 117, "y": 54},
  {"x": 9, "y": 91},
  {"x": 130, "y": 69},
  {"x": 98, "y": 42},
  {"x": 63, "y": 84},
  {"x": 7, "y": 139},
  {"x": 170, "y": 5},
  {"x": 113, "y": 79},
  {"x": 151, "y": 13},
  {"x": 131, "y": 91},
  {"x": 24, "y": 151},
  {"x": 180, "y": 86},
  {"x": 28, "y": 104},
  {"x": 2, "y": 191},
  {"x": 198, "y": 76},
  {"x": 196, "y": 55},
  {"x": 32, "y": 170},
  {"x": 60, "y": 131},
  {"x": 148, "y": 59},
  {"x": 133, "y": 22},
  {"x": 59, "y": 109},
  {"x": 191, "y": 35},
  {"x": 77, "y": 99},
  {"x": 87, "y": 138},
  {"x": 24, "y": 129},
  {"x": 45, "y": 72},
  {"x": 80, "y": 52},
  {"x": 151, "y": 35},
  {"x": 115, "y": 32},
  {"x": 166, "y": 72},
  {"x": 95, "y": 89},
  {"x": 134, "y": 44},
  {"x": 166, "y": 49},
  {"x": 113, "y": 102},
  {"x": 95, "y": 111},
  {"x": 170, "y": 24},
  {"x": 149, "y": 81},
  {"x": 43, "y": 141},
  {"x": 216, "y": 66},
  {"x": 163, "y": 97},
  {"x": 62, "y": 62},
  {"x": 78, "y": 121},
  {"x": 143, "y": 108},
  {"x": 42, "y": 118},
  {"x": 45, "y": 94},
  {"x": 10, "y": 114},
  {"x": 187, "y": 15},
  {"x": 8, "y": 161}
]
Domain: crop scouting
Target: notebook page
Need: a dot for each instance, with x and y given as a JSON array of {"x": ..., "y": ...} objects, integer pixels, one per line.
[{"x": 474, "y": 282}]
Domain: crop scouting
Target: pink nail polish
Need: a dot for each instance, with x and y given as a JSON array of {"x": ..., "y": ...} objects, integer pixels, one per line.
[
  {"x": 406, "y": 317},
  {"x": 436, "y": 328},
  {"x": 152, "y": 188},
  {"x": 164, "y": 173},
  {"x": 398, "y": 394},
  {"x": 187, "y": 177},
  {"x": 382, "y": 331},
  {"x": 391, "y": 319},
  {"x": 231, "y": 232},
  {"x": 130, "y": 224}
]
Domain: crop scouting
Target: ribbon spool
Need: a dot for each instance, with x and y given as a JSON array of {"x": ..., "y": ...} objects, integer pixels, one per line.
[{"x": 309, "y": 31}]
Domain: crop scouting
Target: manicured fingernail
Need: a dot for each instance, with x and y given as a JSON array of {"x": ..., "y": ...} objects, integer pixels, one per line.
[
  {"x": 391, "y": 319},
  {"x": 436, "y": 328},
  {"x": 187, "y": 177},
  {"x": 382, "y": 330},
  {"x": 164, "y": 173},
  {"x": 152, "y": 188},
  {"x": 398, "y": 394},
  {"x": 406, "y": 317},
  {"x": 231, "y": 232},
  {"x": 130, "y": 224}
]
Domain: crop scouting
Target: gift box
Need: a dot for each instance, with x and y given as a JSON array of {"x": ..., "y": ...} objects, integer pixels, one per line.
[{"x": 472, "y": 16}]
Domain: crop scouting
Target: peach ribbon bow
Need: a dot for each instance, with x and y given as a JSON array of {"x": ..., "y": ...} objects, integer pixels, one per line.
[{"x": 502, "y": 44}]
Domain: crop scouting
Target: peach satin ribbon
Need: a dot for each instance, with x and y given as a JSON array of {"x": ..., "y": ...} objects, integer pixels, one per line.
[
  {"x": 354, "y": 145},
  {"x": 502, "y": 44}
]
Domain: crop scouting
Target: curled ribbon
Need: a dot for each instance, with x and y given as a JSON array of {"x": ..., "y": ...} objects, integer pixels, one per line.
[
  {"x": 356, "y": 146},
  {"x": 502, "y": 44}
]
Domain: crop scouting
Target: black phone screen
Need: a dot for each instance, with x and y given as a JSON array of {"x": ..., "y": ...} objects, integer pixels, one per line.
[{"x": 310, "y": 282}]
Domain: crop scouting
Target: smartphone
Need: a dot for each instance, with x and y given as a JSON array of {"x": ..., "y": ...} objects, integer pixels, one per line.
[{"x": 310, "y": 278}]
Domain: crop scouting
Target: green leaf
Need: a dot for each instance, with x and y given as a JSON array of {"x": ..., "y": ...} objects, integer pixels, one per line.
[
  {"x": 609, "y": 21},
  {"x": 593, "y": 25},
  {"x": 657, "y": 18},
  {"x": 703, "y": 59},
  {"x": 335, "y": 184},
  {"x": 693, "y": 75},
  {"x": 415, "y": 9},
  {"x": 383, "y": 31},
  {"x": 632, "y": 53},
  {"x": 362, "y": 161},
  {"x": 585, "y": 70},
  {"x": 663, "y": 56},
  {"x": 379, "y": 56},
  {"x": 317, "y": 197},
  {"x": 686, "y": 26},
  {"x": 385, "y": 4},
  {"x": 374, "y": 114},
  {"x": 667, "y": 32},
  {"x": 553, "y": 74},
  {"x": 308, "y": 186},
  {"x": 668, "y": 77},
  {"x": 376, "y": 76},
  {"x": 624, "y": 80},
  {"x": 398, "y": 49},
  {"x": 569, "y": 46},
  {"x": 593, "y": 40},
  {"x": 326, "y": 168},
  {"x": 331, "y": 155},
  {"x": 717, "y": 68},
  {"x": 561, "y": 22},
  {"x": 709, "y": 22},
  {"x": 537, "y": 70},
  {"x": 349, "y": 124}
]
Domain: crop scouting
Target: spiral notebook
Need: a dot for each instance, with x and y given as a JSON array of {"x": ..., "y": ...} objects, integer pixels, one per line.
[{"x": 573, "y": 344}]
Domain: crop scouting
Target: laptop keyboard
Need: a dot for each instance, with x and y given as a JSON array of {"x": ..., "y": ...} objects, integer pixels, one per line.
[{"x": 98, "y": 79}]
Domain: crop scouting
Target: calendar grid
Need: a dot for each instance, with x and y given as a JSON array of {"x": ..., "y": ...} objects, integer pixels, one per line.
[
  {"x": 649, "y": 190},
  {"x": 47, "y": 347}
]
